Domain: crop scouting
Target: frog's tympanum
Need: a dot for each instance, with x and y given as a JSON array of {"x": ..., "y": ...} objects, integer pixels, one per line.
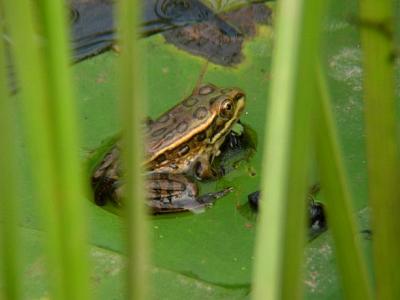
[{"x": 180, "y": 144}]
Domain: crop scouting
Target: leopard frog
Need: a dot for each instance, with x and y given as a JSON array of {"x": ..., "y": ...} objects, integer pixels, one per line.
[{"x": 180, "y": 144}]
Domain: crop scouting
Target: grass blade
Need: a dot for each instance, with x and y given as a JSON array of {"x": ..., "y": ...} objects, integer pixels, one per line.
[
  {"x": 10, "y": 255},
  {"x": 281, "y": 228},
  {"x": 338, "y": 202},
  {"x": 376, "y": 23},
  {"x": 132, "y": 97},
  {"x": 19, "y": 16},
  {"x": 65, "y": 139}
]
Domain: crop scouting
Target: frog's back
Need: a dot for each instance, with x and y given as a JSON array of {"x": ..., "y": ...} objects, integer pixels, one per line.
[{"x": 181, "y": 123}]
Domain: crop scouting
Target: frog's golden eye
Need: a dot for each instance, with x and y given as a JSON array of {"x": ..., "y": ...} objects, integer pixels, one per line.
[{"x": 227, "y": 109}]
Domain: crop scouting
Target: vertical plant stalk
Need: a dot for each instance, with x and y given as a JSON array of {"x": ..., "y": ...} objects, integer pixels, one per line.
[
  {"x": 10, "y": 257},
  {"x": 352, "y": 266},
  {"x": 376, "y": 24},
  {"x": 70, "y": 200},
  {"x": 281, "y": 228},
  {"x": 37, "y": 124},
  {"x": 132, "y": 97}
]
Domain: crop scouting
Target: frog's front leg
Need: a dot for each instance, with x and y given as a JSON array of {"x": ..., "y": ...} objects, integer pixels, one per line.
[
  {"x": 203, "y": 169},
  {"x": 169, "y": 193}
]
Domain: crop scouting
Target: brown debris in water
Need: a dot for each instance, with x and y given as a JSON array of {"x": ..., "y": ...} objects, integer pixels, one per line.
[{"x": 207, "y": 40}]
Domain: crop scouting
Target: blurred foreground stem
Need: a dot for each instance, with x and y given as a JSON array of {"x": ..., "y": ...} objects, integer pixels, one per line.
[
  {"x": 10, "y": 255},
  {"x": 377, "y": 34},
  {"x": 41, "y": 65},
  {"x": 282, "y": 223},
  {"x": 133, "y": 99},
  {"x": 65, "y": 145},
  {"x": 29, "y": 67},
  {"x": 339, "y": 210}
]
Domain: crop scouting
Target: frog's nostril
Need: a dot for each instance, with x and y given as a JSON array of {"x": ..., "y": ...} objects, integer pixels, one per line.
[{"x": 238, "y": 96}]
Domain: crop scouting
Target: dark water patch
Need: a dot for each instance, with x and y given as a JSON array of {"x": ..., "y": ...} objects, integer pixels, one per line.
[
  {"x": 210, "y": 40},
  {"x": 237, "y": 148},
  {"x": 188, "y": 24},
  {"x": 315, "y": 212},
  {"x": 164, "y": 15},
  {"x": 93, "y": 26}
]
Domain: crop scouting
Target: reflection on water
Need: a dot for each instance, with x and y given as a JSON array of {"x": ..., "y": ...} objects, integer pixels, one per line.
[
  {"x": 92, "y": 27},
  {"x": 188, "y": 24},
  {"x": 163, "y": 15},
  {"x": 211, "y": 41},
  {"x": 316, "y": 211}
]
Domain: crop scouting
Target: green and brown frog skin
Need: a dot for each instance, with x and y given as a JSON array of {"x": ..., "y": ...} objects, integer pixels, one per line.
[{"x": 180, "y": 144}]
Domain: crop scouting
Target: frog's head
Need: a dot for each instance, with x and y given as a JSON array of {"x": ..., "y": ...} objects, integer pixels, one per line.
[{"x": 226, "y": 106}]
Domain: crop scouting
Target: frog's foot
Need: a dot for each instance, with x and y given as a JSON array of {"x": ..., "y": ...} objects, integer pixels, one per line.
[
  {"x": 210, "y": 198},
  {"x": 199, "y": 204},
  {"x": 194, "y": 205},
  {"x": 164, "y": 206}
]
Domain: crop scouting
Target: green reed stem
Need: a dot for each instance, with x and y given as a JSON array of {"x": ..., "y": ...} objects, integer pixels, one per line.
[
  {"x": 133, "y": 100},
  {"x": 37, "y": 125},
  {"x": 281, "y": 228},
  {"x": 376, "y": 24},
  {"x": 65, "y": 138},
  {"x": 341, "y": 221},
  {"x": 10, "y": 254}
]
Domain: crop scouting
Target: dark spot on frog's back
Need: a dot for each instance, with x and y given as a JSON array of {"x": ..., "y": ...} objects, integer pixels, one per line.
[
  {"x": 200, "y": 113},
  {"x": 163, "y": 118},
  {"x": 205, "y": 90},
  {"x": 181, "y": 128},
  {"x": 169, "y": 136},
  {"x": 183, "y": 150},
  {"x": 161, "y": 158},
  {"x": 189, "y": 102},
  {"x": 158, "y": 132},
  {"x": 201, "y": 137}
]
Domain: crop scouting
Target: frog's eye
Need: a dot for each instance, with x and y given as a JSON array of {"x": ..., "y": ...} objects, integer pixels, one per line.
[{"x": 227, "y": 109}]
